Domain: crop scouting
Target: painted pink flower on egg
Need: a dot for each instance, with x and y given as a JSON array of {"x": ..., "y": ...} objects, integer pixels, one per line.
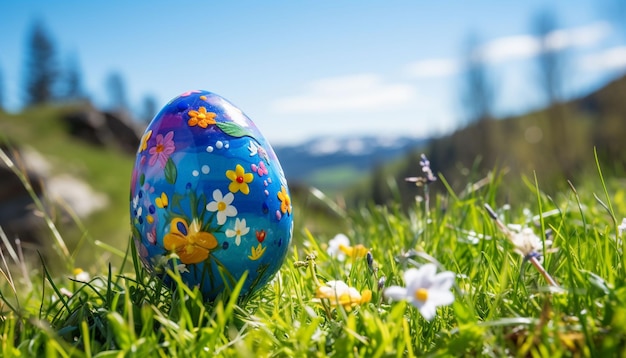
[
  {"x": 260, "y": 169},
  {"x": 152, "y": 238},
  {"x": 163, "y": 148},
  {"x": 189, "y": 93}
]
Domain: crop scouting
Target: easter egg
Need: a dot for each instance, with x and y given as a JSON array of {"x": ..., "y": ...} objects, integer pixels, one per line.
[{"x": 209, "y": 198}]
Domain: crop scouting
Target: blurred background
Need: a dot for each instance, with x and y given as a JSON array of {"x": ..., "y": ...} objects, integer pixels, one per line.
[{"x": 348, "y": 93}]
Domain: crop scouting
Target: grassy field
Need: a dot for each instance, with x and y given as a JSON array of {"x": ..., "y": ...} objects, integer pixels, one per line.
[
  {"x": 105, "y": 170},
  {"x": 546, "y": 278}
]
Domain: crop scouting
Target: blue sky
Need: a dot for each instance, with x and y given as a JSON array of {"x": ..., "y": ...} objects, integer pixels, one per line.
[{"x": 301, "y": 69}]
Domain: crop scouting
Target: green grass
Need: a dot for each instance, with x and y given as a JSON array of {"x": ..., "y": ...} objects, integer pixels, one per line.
[
  {"x": 502, "y": 307},
  {"x": 335, "y": 179},
  {"x": 106, "y": 171}
]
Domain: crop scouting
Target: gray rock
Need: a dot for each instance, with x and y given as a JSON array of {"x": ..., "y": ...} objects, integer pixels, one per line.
[
  {"x": 110, "y": 129},
  {"x": 125, "y": 132},
  {"x": 19, "y": 216},
  {"x": 17, "y": 209}
]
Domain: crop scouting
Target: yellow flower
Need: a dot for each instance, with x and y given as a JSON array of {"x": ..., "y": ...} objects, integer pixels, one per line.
[
  {"x": 285, "y": 200},
  {"x": 240, "y": 180},
  {"x": 201, "y": 118},
  {"x": 339, "y": 293},
  {"x": 81, "y": 275},
  {"x": 144, "y": 141},
  {"x": 257, "y": 252},
  {"x": 340, "y": 247},
  {"x": 355, "y": 251},
  {"x": 190, "y": 244},
  {"x": 162, "y": 202}
]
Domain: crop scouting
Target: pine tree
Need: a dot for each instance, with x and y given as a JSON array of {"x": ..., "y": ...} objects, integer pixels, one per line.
[
  {"x": 41, "y": 70},
  {"x": 149, "y": 108},
  {"x": 117, "y": 91},
  {"x": 72, "y": 80},
  {"x": 1, "y": 91}
]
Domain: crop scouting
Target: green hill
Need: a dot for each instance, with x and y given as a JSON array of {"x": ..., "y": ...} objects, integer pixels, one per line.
[
  {"x": 106, "y": 170},
  {"x": 556, "y": 144}
]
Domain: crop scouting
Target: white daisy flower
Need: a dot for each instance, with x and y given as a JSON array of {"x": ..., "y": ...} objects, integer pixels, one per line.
[
  {"x": 622, "y": 227},
  {"x": 335, "y": 244},
  {"x": 425, "y": 289},
  {"x": 339, "y": 247},
  {"x": 527, "y": 243},
  {"x": 80, "y": 275}
]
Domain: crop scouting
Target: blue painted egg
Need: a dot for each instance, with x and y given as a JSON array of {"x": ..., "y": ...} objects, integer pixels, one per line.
[{"x": 209, "y": 197}]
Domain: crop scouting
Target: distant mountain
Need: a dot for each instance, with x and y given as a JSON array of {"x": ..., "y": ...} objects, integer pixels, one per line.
[{"x": 334, "y": 163}]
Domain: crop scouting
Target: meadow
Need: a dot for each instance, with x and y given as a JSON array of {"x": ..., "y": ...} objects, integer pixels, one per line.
[{"x": 545, "y": 277}]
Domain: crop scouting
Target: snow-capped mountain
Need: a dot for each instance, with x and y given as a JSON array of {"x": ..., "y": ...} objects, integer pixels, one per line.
[{"x": 304, "y": 162}]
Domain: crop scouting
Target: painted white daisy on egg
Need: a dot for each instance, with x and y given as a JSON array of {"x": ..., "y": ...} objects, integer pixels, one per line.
[
  {"x": 240, "y": 230},
  {"x": 221, "y": 205}
]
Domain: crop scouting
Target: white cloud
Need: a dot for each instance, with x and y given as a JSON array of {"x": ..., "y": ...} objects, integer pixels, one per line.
[
  {"x": 579, "y": 36},
  {"x": 510, "y": 48},
  {"x": 441, "y": 67},
  {"x": 515, "y": 47},
  {"x": 347, "y": 93},
  {"x": 525, "y": 46},
  {"x": 611, "y": 59}
]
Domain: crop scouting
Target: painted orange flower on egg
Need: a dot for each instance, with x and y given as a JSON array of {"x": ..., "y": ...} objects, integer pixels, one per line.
[
  {"x": 285, "y": 201},
  {"x": 201, "y": 117},
  {"x": 188, "y": 242}
]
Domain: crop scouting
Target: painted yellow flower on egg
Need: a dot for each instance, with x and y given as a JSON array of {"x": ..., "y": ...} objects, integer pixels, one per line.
[
  {"x": 285, "y": 200},
  {"x": 162, "y": 201},
  {"x": 188, "y": 242},
  {"x": 201, "y": 117},
  {"x": 144, "y": 141},
  {"x": 239, "y": 180},
  {"x": 256, "y": 252}
]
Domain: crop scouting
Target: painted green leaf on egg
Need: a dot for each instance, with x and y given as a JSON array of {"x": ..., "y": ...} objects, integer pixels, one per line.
[
  {"x": 234, "y": 130},
  {"x": 170, "y": 171}
]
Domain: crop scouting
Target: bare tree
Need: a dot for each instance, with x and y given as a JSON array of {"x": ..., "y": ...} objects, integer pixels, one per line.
[
  {"x": 41, "y": 70},
  {"x": 117, "y": 91},
  {"x": 551, "y": 67},
  {"x": 551, "y": 56},
  {"x": 615, "y": 11},
  {"x": 478, "y": 99},
  {"x": 478, "y": 95}
]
